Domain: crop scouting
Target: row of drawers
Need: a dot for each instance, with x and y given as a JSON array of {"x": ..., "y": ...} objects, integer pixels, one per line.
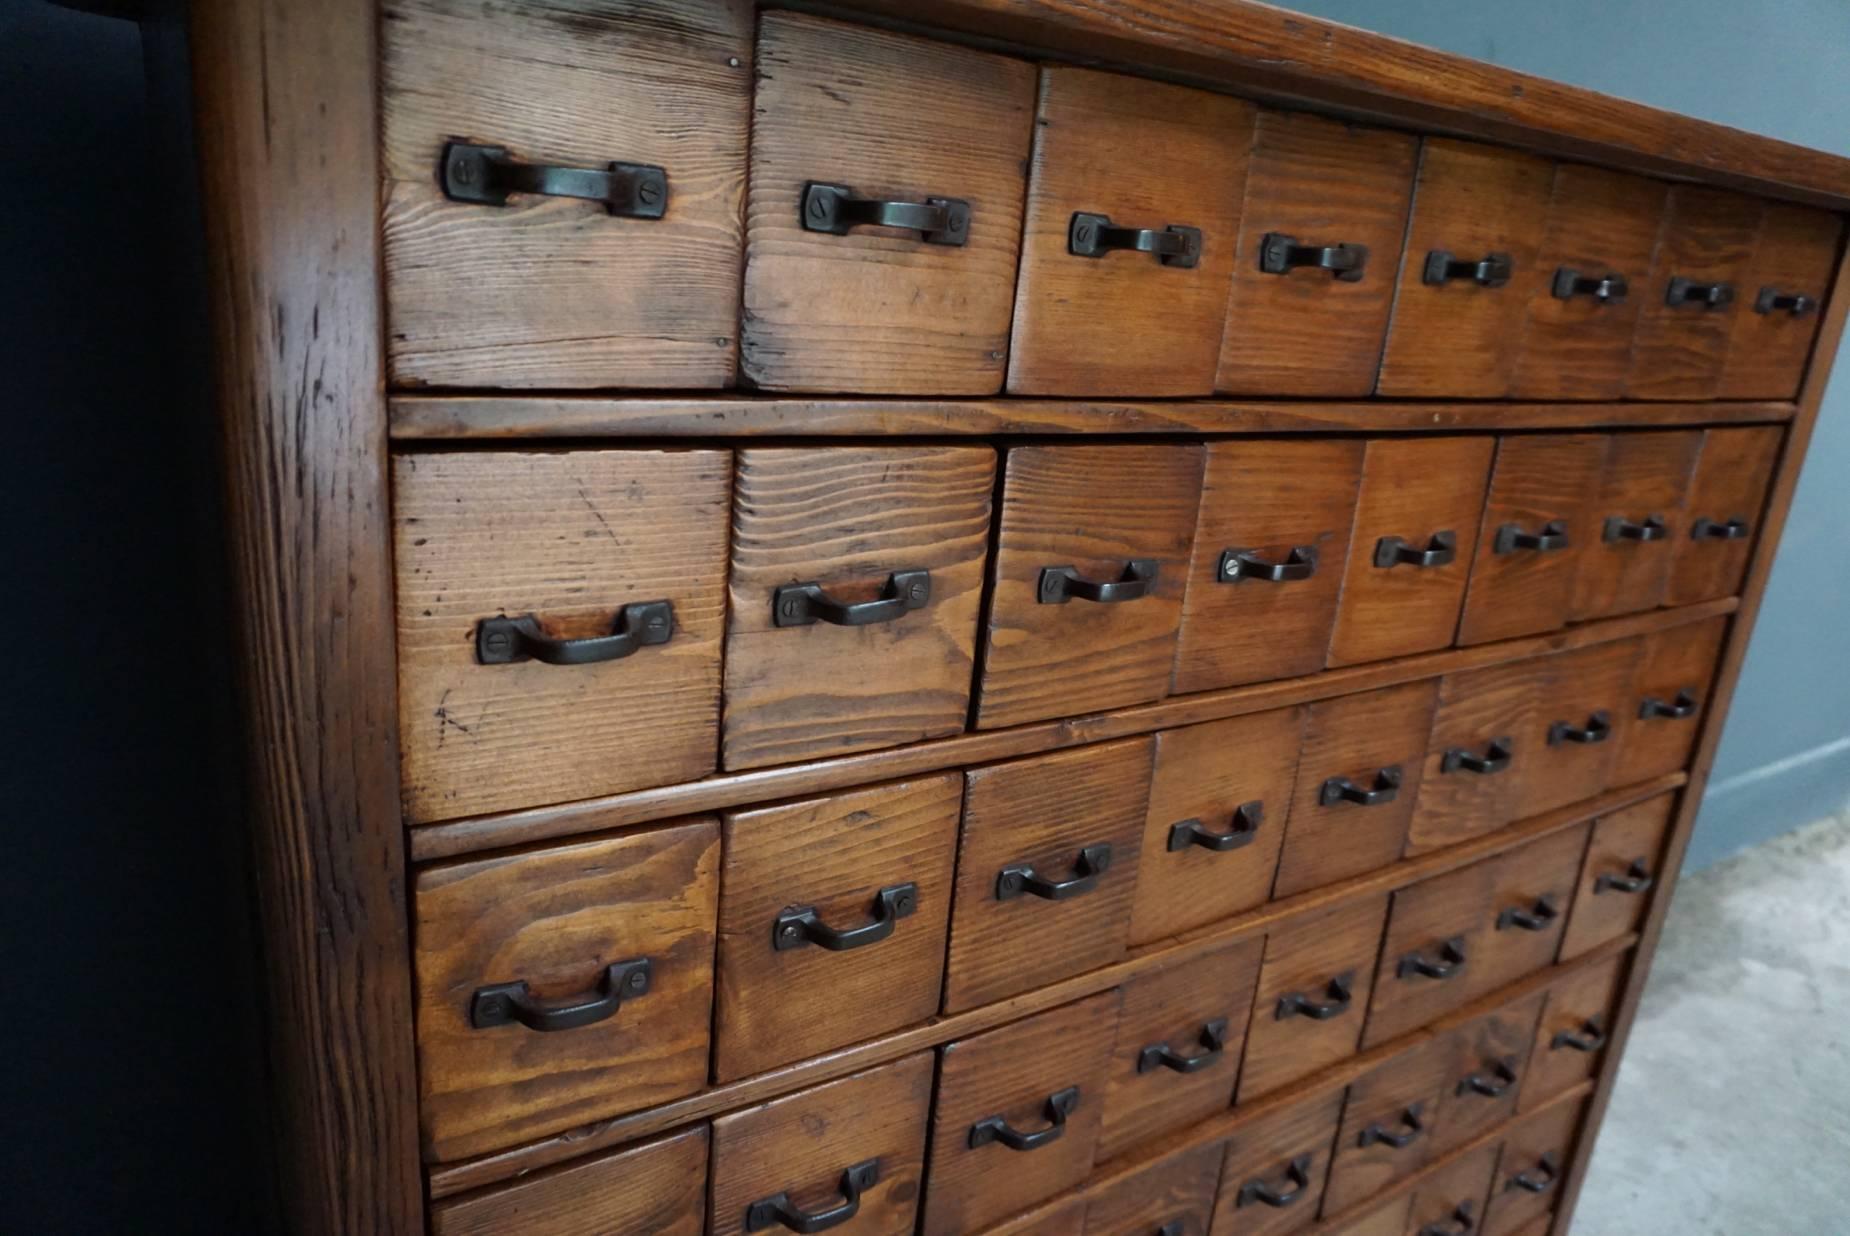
[
  {"x": 917, "y": 218},
  {"x": 571, "y": 622}
]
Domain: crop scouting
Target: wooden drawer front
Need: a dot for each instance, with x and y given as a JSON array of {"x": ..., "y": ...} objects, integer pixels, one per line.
[
  {"x": 1782, "y": 303},
  {"x": 1174, "y": 1197},
  {"x": 1529, "y": 1170},
  {"x": 1484, "y": 735},
  {"x": 1087, "y": 579},
  {"x": 1435, "y": 943},
  {"x": 857, "y": 576},
  {"x": 1387, "y": 1219},
  {"x": 1635, "y": 519},
  {"x": 1451, "y": 1201},
  {"x": 1538, "y": 520},
  {"x": 1063, "y": 1218},
  {"x": 849, "y": 1155},
  {"x": 487, "y": 289},
  {"x": 562, "y": 986},
  {"x": 1722, "y": 516},
  {"x": 1387, "y": 1122},
  {"x": 1294, "y": 325},
  {"x": 1273, "y": 1177},
  {"x": 1622, "y": 866},
  {"x": 1674, "y": 675},
  {"x": 1270, "y": 544},
  {"x": 1313, "y": 992},
  {"x": 1358, "y": 780},
  {"x": 1084, "y": 292},
  {"x": 845, "y": 115},
  {"x": 1532, "y": 894},
  {"x": 1415, "y": 534},
  {"x": 1584, "y": 709},
  {"x": 1593, "y": 266},
  {"x": 1489, "y": 1055},
  {"x": 572, "y": 545},
  {"x": 1467, "y": 272},
  {"x": 1017, "y": 1114},
  {"x": 832, "y": 921},
  {"x": 1220, "y": 805},
  {"x": 1571, "y": 1038},
  {"x": 657, "y": 1187},
  {"x": 1045, "y": 869},
  {"x": 1696, "y": 289},
  {"x": 1180, "y": 1036}
]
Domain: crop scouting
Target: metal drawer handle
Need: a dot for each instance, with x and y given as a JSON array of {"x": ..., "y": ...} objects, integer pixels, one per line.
[
  {"x": 1175, "y": 1227},
  {"x": 1244, "y": 564},
  {"x": 802, "y": 926},
  {"x": 1608, "y": 289},
  {"x": 1060, "y": 1104},
  {"x": 1093, "y": 236},
  {"x": 1597, "y": 730},
  {"x": 1681, "y": 708},
  {"x": 1411, "y": 1126},
  {"x": 1533, "y": 918},
  {"x": 1547, "y": 1171},
  {"x": 1340, "y": 991},
  {"x": 836, "y": 208},
  {"x": 1393, "y": 551},
  {"x": 1688, "y": 292},
  {"x": 1463, "y": 1221},
  {"x": 1280, "y": 254},
  {"x": 1018, "y": 878},
  {"x": 799, "y": 605},
  {"x": 1497, "y": 756},
  {"x": 1502, "y": 1076},
  {"x": 779, "y": 1211},
  {"x": 1772, "y": 300},
  {"x": 1637, "y": 879},
  {"x": 507, "y": 641},
  {"x": 1247, "y": 817},
  {"x": 1512, "y": 537},
  {"x": 486, "y": 175},
  {"x": 1297, "y": 1180},
  {"x": 1720, "y": 530},
  {"x": 1339, "y": 790},
  {"x": 502, "y": 1004},
  {"x": 1589, "y": 1038},
  {"x": 1213, "y": 1040},
  {"x": 1061, "y": 584},
  {"x": 1493, "y": 270},
  {"x": 1650, "y": 528},
  {"x": 1450, "y": 961}
]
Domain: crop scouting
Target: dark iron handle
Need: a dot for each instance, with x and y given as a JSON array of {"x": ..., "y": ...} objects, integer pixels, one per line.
[
  {"x": 1093, "y": 236},
  {"x": 506, "y": 641},
  {"x": 1060, "y": 1104},
  {"x": 1547, "y": 1171},
  {"x": 1512, "y": 537},
  {"x": 1493, "y": 270},
  {"x": 1637, "y": 879},
  {"x": 1497, "y": 1084},
  {"x": 1462, "y": 1222},
  {"x": 799, "y": 605},
  {"x": 1720, "y": 530},
  {"x": 1772, "y": 300},
  {"x": 503, "y": 1004},
  {"x": 1681, "y": 708},
  {"x": 1411, "y": 1126},
  {"x": 1683, "y": 291},
  {"x": 1650, "y": 528},
  {"x": 1297, "y": 1180},
  {"x": 1280, "y": 254},
  {"x": 1243, "y": 564},
  {"x": 1450, "y": 961},
  {"x": 1537, "y": 917},
  {"x": 1597, "y": 729},
  {"x": 1175, "y": 1227},
  {"x": 1247, "y": 817},
  {"x": 1497, "y": 756},
  {"x": 1589, "y": 1038},
  {"x": 1018, "y": 878},
  {"x": 1213, "y": 1040},
  {"x": 1062, "y": 583},
  {"x": 486, "y": 175},
  {"x": 801, "y": 926},
  {"x": 1393, "y": 551},
  {"x": 1607, "y": 289},
  {"x": 1340, "y": 990},
  {"x": 834, "y": 209},
  {"x": 1386, "y": 789},
  {"x": 779, "y": 1211}
]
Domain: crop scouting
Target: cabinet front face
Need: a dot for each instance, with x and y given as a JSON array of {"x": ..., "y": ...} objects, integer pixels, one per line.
[
  {"x": 1388, "y": 1117},
  {"x": 658, "y": 1187},
  {"x": 1174, "y": 1196},
  {"x": 1273, "y": 1177},
  {"x": 1727, "y": 495},
  {"x": 1637, "y": 516},
  {"x": 1621, "y": 868},
  {"x": 1783, "y": 303},
  {"x": 1490, "y": 1055},
  {"x": 1675, "y": 674},
  {"x": 1313, "y": 991},
  {"x": 1695, "y": 291}
]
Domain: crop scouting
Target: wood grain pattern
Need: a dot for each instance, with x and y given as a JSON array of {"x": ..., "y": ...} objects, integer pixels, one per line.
[
  {"x": 1402, "y": 1096},
  {"x": 553, "y": 291},
  {"x": 1622, "y": 843},
  {"x": 1263, "y": 1151},
  {"x": 1492, "y": 1048},
  {"x": 1795, "y": 254},
  {"x": 1677, "y": 350},
  {"x": 1304, "y": 958},
  {"x": 1669, "y": 664},
  {"x": 1550, "y": 1133},
  {"x": 1477, "y": 711},
  {"x": 657, "y": 1187},
  {"x": 1387, "y": 1219},
  {"x": 1646, "y": 476},
  {"x": 834, "y": 855},
  {"x": 890, "y": 116},
  {"x": 1059, "y": 1218},
  {"x": 1323, "y": 182},
  {"x": 1540, "y": 481},
  {"x": 1126, "y": 323},
  {"x": 1732, "y": 476},
  {"x": 1589, "y": 994},
  {"x": 1453, "y": 908},
  {"x": 1455, "y": 1194},
  {"x": 1176, "y": 1191},
  {"x": 1577, "y": 688},
  {"x": 1537, "y": 878},
  {"x": 847, "y": 518}
]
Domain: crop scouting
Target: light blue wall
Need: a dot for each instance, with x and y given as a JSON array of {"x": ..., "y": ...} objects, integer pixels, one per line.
[{"x": 1769, "y": 66}]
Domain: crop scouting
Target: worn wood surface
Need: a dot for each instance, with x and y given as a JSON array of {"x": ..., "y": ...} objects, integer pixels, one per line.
[
  {"x": 1177, "y": 1191},
  {"x": 1578, "y": 687},
  {"x": 1263, "y": 1151},
  {"x": 1646, "y": 476},
  {"x": 1552, "y": 1132},
  {"x": 1730, "y": 483},
  {"x": 1538, "y": 879},
  {"x": 1678, "y": 350},
  {"x": 1795, "y": 254},
  {"x": 1623, "y": 843},
  {"x": 1492, "y": 1048},
  {"x": 1540, "y": 481},
  {"x": 1400, "y": 1097},
  {"x": 1308, "y": 958},
  {"x": 1671, "y": 664},
  {"x": 1448, "y": 914},
  {"x": 1478, "y": 710},
  {"x": 1455, "y": 1194},
  {"x": 1585, "y": 999},
  {"x": 658, "y": 1187}
]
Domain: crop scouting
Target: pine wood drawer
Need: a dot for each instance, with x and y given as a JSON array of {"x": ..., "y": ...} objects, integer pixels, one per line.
[
  {"x": 1387, "y": 1219},
  {"x": 1272, "y": 1179},
  {"x": 847, "y": 1156},
  {"x": 1483, "y": 738},
  {"x": 1062, "y": 1218},
  {"x": 1451, "y": 1201},
  {"x": 1570, "y": 1039},
  {"x": 833, "y": 918},
  {"x": 1578, "y": 725},
  {"x": 857, "y": 577},
  {"x": 848, "y": 114},
  {"x": 1783, "y": 302},
  {"x": 1174, "y": 1197},
  {"x": 560, "y": 986},
  {"x": 1696, "y": 288},
  {"x": 1529, "y": 1170},
  {"x": 1313, "y": 991},
  {"x": 1675, "y": 672},
  {"x": 1084, "y": 293},
  {"x": 659, "y": 1187},
  {"x": 1387, "y": 1121},
  {"x": 1636, "y": 517},
  {"x": 1532, "y": 894},
  {"x": 1623, "y": 864},
  {"x": 1489, "y": 1055},
  {"x": 1722, "y": 515},
  {"x": 501, "y": 555},
  {"x": 1436, "y": 933}
]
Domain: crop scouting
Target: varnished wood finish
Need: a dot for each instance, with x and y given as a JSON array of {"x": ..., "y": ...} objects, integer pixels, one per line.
[
  {"x": 1386, "y": 1219},
  {"x": 1492, "y": 1048},
  {"x": 1578, "y": 688},
  {"x": 1263, "y": 1151},
  {"x": 1646, "y": 475},
  {"x": 1401, "y": 1097},
  {"x": 1455, "y": 1194},
  {"x": 657, "y": 1187},
  {"x": 1678, "y": 350},
  {"x": 1624, "y": 843},
  {"x": 1481, "y": 715},
  {"x": 1588, "y": 995},
  {"x": 1549, "y": 1133},
  {"x": 1541, "y": 483},
  {"x": 1436, "y": 920},
  {"x": 1671, "y": 664},
  {"x": 1795, "y": 254},
  {"x": 1307, "y": 958},
  {"x": 1538, "y": 879},
  {"x": 1176, "y": 1191},
  {"x": 1730, "y": 483}
]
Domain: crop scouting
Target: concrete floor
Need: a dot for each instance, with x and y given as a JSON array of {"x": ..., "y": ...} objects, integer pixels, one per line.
[{"x": 1732, "y": 1111}]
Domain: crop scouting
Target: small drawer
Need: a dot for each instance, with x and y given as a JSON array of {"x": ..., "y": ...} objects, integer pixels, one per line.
[
  {"x": 561, "y": 986},
  {"x": 1583, "y": 710},
  {"x": 848, "y": 1156},
  {"x": 1065, "y": 1217},
  {"x": 857, "y": 577},
  {"x": 1017, "y": 1115},
  {"x": 1538, "y": 521},
  {"x": 1594, "y": 263},
  {"x": 1088, "y": 575},
  {"x": 1127, "y": 248},
  {"x": 1697, "y": 287},
  {"x": 1434, "y": 946},
  {"x": 1180, "y": 1036},
  {"x": 853, "y": 126},
  {"x": 1387, "y": 1219},
  {"x": 559, "y": 619},
  {"x": 1468, "y": 270},
  {"x": 622, "y": 270},
  {"x": 1326, "y": 208},
  {"x": 1576, "y": 1023},
  {"x": 1272, "y": 1179},
  {"x": 1674, "y": 676},
  {"x": 1220, "y": 806},
  {"x": 1484, "y": 736},
  {"x": 1045, "y": 868},
  {"x": 1489, "y": 1055},
  {"x": 1451, "y": 1201},
  {"x": 1416, "y": 523},
  {"x": 1313, "y": 991},
  {"x": 658, "y": 1187},
  {"x": 1636, "y": 518},
  {"x": 1386, "y": 1130},
  {"x": 1623, "y": 864},
  {"x": 845, "y": 899},
  {"x": 1727, "y": 495},
  {"x": 1532, "y": 895},
  {"x": 1358, "y": 780},
  {"x": 1173, "y": 1197},
  {"x": 1270, "y": 544},
  {"x": 1530, "y": 1169},
  {"x": 1782, "y": 303}
]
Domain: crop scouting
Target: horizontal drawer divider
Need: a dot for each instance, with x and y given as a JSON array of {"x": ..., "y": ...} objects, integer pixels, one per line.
[{"x": 452, "y": 838}]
